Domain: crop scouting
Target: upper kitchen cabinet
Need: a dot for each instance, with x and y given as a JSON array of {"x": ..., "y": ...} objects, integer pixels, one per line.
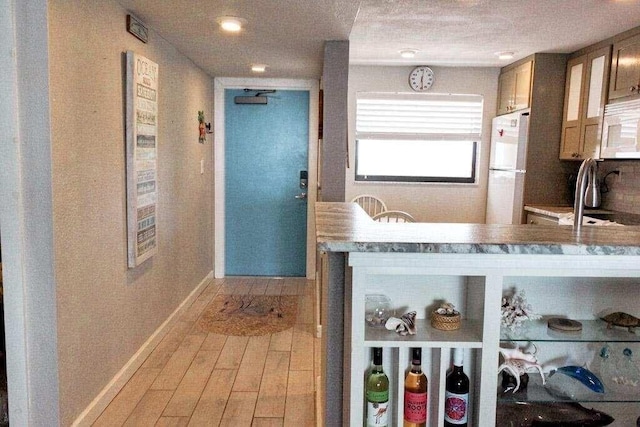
[
  {"x": 625, "y": 68},
  {"x": 514, "y": 90},
  {"x": 584, "y": 100}
]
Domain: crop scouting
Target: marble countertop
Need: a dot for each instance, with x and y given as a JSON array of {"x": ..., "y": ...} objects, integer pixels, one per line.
[{"x": 345, "y": 227}]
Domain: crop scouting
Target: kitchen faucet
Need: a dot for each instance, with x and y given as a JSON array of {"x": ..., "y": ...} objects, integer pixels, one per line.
[{"x": 587, "y": 191}]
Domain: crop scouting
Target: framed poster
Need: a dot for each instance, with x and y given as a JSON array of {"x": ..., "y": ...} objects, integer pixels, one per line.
[{"x": 142, "y": 132}]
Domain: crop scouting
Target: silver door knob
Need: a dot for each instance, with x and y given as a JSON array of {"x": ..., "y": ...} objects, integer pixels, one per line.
[{"x": 301, "y": 196}]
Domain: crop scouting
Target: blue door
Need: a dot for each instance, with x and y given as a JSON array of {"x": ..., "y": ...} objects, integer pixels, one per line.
[{"x": 266, "y": 149}]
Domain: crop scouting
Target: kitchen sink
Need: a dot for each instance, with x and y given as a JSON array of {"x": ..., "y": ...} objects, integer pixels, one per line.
[
  {"x": 601, "y": 219},
  {"x": 604, "y": 218}
]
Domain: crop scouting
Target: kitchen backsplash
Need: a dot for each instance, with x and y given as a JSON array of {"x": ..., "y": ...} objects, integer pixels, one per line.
[{"x": 624, "y": 189}]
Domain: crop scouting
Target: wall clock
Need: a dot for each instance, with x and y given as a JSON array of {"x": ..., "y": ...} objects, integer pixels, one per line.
[{"x": 421, "y": 78}]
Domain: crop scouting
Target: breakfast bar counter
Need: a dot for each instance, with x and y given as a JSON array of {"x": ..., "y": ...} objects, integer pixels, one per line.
[
  {"x": 345, "y": 227},
  {"x": 345, "y": 233}
]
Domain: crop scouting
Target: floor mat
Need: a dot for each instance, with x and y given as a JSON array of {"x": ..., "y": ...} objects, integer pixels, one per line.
[{"x": 249, "y": 315}]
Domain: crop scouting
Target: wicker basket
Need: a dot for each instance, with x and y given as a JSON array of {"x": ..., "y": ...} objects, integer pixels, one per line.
[{"x": 445, "y": 322}]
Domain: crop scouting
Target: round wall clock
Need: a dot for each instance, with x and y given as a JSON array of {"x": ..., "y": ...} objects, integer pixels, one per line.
[{"x": 421, "y": 78}]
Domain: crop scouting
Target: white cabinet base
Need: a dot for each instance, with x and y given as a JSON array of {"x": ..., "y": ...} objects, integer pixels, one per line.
[{"x": 576, "y": 286}]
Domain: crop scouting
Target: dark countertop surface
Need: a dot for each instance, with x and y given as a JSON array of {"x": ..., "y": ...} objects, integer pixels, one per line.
[{"x": 345, "y": 227}]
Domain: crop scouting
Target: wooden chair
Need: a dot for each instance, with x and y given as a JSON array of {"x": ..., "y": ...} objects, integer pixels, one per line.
[
  {"x": 371, "y": 204},
  {"x": 393, "y": 216}
]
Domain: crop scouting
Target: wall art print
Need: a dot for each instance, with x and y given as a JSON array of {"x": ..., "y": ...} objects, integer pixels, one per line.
[{"x": 142, "y": 133}]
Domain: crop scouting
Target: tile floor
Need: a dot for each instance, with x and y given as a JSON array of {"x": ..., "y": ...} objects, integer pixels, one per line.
[{"x": 203, "y": 379}]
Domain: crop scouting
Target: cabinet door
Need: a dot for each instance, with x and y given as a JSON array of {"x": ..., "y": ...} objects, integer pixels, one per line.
[
  {"x": 585, "y": 96},
  {"x": 506, "y": 91},
  {"x": 570, "y": 141},
  {"x": 522, "y": 86},
  {"x": 625, "y": 68},
  {"x": 594, "y": 99},
  {"x": 537, "y": 219}
]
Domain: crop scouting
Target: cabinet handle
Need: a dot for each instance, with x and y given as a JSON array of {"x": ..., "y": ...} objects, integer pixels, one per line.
[
  {"x": 633, "y": 88},
  {"x": 533, "y": 221}
]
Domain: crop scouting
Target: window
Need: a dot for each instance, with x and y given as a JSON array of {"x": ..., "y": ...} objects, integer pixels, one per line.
[{"x": 417, "y": 137}]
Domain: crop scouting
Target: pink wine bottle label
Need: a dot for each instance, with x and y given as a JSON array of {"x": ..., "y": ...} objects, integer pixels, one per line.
[
  {"x": 455, "y": 408},
  {"x": 415, "y": 407}
]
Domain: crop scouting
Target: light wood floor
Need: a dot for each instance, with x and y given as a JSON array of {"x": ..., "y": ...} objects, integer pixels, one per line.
[{"x": 204, "y": 379}]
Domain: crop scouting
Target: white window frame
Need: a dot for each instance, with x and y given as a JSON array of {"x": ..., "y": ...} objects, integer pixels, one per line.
[{"x": 405, "y": 118}]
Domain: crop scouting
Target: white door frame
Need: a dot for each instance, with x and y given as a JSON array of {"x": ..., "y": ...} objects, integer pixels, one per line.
[
  {"x": 26, "y": 214},
  {"x": 222, "y": 83}
]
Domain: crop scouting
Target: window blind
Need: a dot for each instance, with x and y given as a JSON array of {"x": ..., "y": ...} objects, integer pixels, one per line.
[{"x": 416, "y": 116}]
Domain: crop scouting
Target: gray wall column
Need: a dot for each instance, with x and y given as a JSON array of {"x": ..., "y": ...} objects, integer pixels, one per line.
[{"x": 335, "y": 82}]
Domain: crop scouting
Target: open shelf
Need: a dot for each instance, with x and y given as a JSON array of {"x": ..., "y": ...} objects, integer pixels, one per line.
[
  {"x": 536, "y": 392},
  {"x": 592, "y": 331},
  {"x": 468, "y": 336}
]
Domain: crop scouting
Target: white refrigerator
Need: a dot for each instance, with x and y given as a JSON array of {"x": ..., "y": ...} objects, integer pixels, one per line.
[{"x": 507, "y": 168}]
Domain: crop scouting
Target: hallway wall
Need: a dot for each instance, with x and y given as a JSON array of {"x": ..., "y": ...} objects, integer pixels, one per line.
[{"x": 105, "y": 310}]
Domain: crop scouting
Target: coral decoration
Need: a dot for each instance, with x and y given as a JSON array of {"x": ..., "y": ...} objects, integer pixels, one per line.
[{"x": 516, "y": 311}]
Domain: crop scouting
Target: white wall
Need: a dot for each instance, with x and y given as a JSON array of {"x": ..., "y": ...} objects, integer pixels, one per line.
[{"x": 427, "y": 202}]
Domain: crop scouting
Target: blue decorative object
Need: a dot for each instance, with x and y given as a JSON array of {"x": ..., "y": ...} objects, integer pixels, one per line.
[{"x": 583, "y": 375}]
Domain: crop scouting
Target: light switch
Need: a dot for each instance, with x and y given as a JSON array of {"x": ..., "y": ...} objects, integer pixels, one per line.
[{"x": 201, "y": 166}]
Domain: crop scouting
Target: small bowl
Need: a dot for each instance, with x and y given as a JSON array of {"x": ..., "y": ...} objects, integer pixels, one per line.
[{"x": 377, "y": 309}]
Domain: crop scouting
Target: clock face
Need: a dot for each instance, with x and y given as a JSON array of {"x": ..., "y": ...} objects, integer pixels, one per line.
[{"x": 421, "y": 78}]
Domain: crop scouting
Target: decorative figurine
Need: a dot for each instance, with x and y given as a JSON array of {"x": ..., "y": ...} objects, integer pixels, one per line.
[
  {"x": 583, "y": 375},
  {"x": 617, "y": 367},
  {"x": 405, "y": 325},
  {"x": 517, "y": 363},
  {"x": 621, "y": 319},
  {"x": 516, "y": 310},
  {"x": 446, "y": 318}
]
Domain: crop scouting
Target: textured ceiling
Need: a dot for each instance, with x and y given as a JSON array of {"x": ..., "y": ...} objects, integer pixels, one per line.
[
  {"x": 289, "y": 35},
  {"x": 470, "y": 32}
]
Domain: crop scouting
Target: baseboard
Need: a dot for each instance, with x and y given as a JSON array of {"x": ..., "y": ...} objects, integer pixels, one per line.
[{"x": 102, "y": 400}]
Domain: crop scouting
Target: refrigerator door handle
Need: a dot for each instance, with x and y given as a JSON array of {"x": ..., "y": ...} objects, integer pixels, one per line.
[{"x": 508, "y": 170}]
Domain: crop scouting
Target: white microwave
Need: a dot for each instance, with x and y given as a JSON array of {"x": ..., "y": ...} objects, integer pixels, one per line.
[{"x": 620, "y": 131}]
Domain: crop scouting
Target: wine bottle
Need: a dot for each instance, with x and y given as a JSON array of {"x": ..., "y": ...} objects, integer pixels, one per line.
[
  {"x": 456, "y": 400},
  {"x": 377, "y": 393},
  {"x": 415, "y": 393}
]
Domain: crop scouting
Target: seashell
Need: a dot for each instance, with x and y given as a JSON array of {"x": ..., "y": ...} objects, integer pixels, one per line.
[
  {"x": 392, "y": 323},
  {"x": 405, "y": 325}
]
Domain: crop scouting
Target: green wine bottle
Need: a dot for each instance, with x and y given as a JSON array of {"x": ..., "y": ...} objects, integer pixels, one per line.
[{"x": 377, "y": 389}]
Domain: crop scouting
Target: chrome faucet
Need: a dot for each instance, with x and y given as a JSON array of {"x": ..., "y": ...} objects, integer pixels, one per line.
[{"x": 587, "y": 191}]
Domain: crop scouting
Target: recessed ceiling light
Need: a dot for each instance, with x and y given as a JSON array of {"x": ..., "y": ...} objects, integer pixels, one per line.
[
  {"x": 504, "y": 55},
  {"x": 231, "y": 24},
  {"x": 258, "y": 68},
  {"x": 408, "y": 53}
]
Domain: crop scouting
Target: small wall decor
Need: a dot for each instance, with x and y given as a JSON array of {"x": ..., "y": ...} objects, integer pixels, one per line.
[
  {"x": 142, "y": 132},
  {"x": 137, "y": 28},
  {"x": 202, "y": 128}
]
